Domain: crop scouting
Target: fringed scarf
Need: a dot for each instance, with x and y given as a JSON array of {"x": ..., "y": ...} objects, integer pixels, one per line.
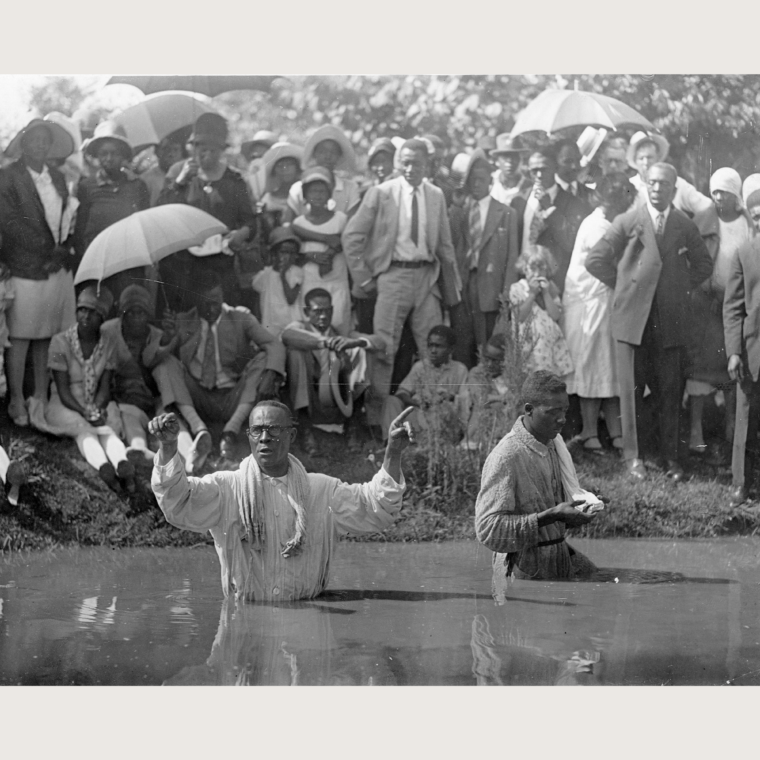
[{"x": 250, "y": 496}]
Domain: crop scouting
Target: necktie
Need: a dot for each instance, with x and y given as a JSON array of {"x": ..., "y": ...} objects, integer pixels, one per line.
[
  {"x": 660, "y": 226},
  {"x": 415, "y": 218},
  {"x": 208, "y": 371},
  {"x": 476, "y": 234},
  {"x": 536, "y": 226}
]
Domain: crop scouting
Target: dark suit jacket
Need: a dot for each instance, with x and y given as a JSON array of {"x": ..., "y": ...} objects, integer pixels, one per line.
[
  {"x": 27, "y": 239},
  {"x": 561, "y": 229},
  {"x": 741, "y": 307},
  {"x": 628, "y": 259},
  {"x": 498, "y": 251}
]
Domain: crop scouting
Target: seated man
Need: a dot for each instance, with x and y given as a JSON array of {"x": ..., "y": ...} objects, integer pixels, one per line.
[
  {"x": 488, "y": 398},
  {"x": 435, "y": 387},
  {"x": 529, "y": 492},
  {"x": 275, "y": 526},
  {"x": 319, "y": 359},
  {"x": 230, "y": 361},
  {"x": 148, "y": 374}
]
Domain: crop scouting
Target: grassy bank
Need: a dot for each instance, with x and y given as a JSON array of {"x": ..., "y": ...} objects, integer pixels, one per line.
[{"x": 66, "y": 503}]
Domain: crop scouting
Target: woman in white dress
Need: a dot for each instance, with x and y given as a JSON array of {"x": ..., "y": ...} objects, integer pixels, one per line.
[{"x": 586, "y": 319}]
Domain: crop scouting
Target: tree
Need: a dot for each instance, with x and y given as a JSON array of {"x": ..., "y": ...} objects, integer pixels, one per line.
[{"x": 57, "y": 93}]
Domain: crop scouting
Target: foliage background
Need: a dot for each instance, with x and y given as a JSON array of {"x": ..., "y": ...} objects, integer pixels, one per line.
[{"x": 710, "y": 120}]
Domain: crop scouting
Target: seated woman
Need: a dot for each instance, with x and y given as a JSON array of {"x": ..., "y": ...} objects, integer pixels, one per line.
[
  {"x": 82, "y": 361},
  {"x": 319, "y": 230},
  {"x": 329, "y": 148}
]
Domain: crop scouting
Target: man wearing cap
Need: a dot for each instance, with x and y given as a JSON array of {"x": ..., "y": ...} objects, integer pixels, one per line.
[
  {"x": 206, "y": 181},
  {"x": 113, "y": 193},
  {"x": 484, "y": 233},
  {"x": 508, "y": 180},
  {"x": 741, "y": 317},
  {"x": 148, "y": 373},
  {"x": 652, "y": 256},
  {"x": 551, "y": 216},
  {"x": 644, "y": 150},
  {"x": 399, "y": 245},
  {"x": 230, "y": 360},
  {"x": 320, "y": 357}
]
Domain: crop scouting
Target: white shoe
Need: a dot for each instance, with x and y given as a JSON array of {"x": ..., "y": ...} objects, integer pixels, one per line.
[{"x": 200, "y": 449}]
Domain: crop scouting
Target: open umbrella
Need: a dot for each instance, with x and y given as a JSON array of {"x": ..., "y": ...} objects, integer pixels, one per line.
[
  {"x": 206, "y": 85},
  {"x": 554, "y": 110},
  {"x": 145, "y": 238},
  {"x": 147, "y": 123}
]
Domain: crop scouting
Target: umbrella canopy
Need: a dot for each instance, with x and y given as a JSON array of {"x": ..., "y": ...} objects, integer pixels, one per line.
[
  {"x": 554, "y": 110},
  {"x": 147, "y": 123},
  {"x": 206, "y": 85},
  {"x": 144, "y": 238}
]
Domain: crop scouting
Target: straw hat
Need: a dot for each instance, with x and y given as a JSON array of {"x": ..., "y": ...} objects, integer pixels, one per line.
[
  {"x": 347, "y": 160},
  {"x": 262, "y": 137},
  {"x": 63, "y": 143},
  {"x": 505, "y": 143},
  {"x": 272, "y": 156},
  {"x": 663, "y": 146},
  {"x": 109, "y": 130}
]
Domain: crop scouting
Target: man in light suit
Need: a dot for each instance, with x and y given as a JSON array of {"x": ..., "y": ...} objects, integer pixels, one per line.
[
  {"x": 230, "y": 361},
  {"x": 741, "y": 328},
  {"x": 484, "y": 233},
  {"x": 653, "y": 256},
  {"x": 399, "y": 244},
  {"x": 550, "y": 216}
]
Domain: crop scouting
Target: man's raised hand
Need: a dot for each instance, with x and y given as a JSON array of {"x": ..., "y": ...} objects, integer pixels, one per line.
[
  {"x": 165, "y": 428},
  {"x": 401, "y": 432}
]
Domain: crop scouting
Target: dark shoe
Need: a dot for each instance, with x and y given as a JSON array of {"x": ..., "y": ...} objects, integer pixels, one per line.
[
  {"x": 674, "y": 471},
  {"x": 228, "y": 446},
  {"x": 636, "y": 469},
  {"x": 125, "y": 472},
  {"x": 108, "y": 476},
  {"x": 738, "y": 495}
]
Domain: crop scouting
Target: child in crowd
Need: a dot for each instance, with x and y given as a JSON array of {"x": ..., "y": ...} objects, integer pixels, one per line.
[
  {"x": 435, "y": 386},
  {"x": 279, "y": 284},
  {"x": 536, "y": 309},
  {"x": 319, "y": 230}
]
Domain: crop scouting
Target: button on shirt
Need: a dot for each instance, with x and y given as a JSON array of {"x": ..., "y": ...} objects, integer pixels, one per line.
[
  {"x": 530, "y": 211},
  {"x": 223, "y": 380},
  {"x": 405, "y": 250}
]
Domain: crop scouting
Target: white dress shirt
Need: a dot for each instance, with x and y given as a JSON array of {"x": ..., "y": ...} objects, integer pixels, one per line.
[
  {"x": 405, "y": 250},
  {"x": 655, "y": 214},
  {"x": 568, "y": 187},
  {"x": 223, "y": 380},
  {"x": 483, "y": 206}
]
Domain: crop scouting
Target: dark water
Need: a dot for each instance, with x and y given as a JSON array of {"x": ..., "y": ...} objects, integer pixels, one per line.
[{"x": 660, "y": 613}]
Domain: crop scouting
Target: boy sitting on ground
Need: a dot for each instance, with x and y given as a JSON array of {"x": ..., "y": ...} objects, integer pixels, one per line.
[
  {"x": 327, "y": 371},
  {"x": 435, "y": 386}
]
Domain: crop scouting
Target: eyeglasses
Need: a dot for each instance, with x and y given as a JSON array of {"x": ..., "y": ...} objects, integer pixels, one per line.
[{"x": 256, "y": 431}]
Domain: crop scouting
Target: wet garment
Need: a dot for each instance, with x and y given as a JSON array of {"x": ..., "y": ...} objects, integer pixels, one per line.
[
  {"x": 333, "y": 508},
  {"x": 521, "y": 478}
]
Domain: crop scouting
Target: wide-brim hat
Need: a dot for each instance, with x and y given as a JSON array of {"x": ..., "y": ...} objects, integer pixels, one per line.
[
  {"x": 280, "y": 235},
  {"x": 505, "y": 143},
  {"x": 459, "y": 168},
  {"x": 750, "y": 185},
  {"x": 381, "y": 145},
  {"x": 278, "y": 151},
  {"x": 662, "y": 145},
  {"x": 63, "y": 143},
  {"x": 109, "y": 130},
  {"x": 317, "y": 174},
  {"x": 477, "y": 156},
  {"x": 347, "y": 160},
  {"x": 262, "y": 137}
]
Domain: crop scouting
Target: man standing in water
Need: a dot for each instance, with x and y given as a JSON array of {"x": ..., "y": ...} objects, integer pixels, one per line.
[
  {"x": 274, "y": 525},
  {"x": 529, "y": 491}
]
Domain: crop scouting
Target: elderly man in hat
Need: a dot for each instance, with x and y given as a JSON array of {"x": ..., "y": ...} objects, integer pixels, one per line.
[
  {"x": 230, "y": 360},
  {"x": 484, "y": 233},
  {"x": 399, "y": 245},
  {"x": 645, "y": 150},
  {"x": 205, "y": 181},
  {"x": 274, "y": 525},
  {"x": 508, "y": 180},
  {"x": 36, "y": 214},
  {"x": 320, "y": 358},
  {"x": 653, "y": 257},
  {"x": 147, "y": 376}
]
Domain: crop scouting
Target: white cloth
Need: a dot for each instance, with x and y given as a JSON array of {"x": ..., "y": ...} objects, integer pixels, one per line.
[
  {"x": 276, "y": 312},
  {"x": 223, "y": 380},
  {"x": 500, "y": 192},
  {"x": 51, "y": 201},
  {"x": 727, "y": 180},
  {"x": 591, "y": 502},
  {"x": 209, "y": 504},
  {"x": 531, "y": 209},
  {"x": 405, "y": 250},
  {"x": 586, "y": 318}
]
